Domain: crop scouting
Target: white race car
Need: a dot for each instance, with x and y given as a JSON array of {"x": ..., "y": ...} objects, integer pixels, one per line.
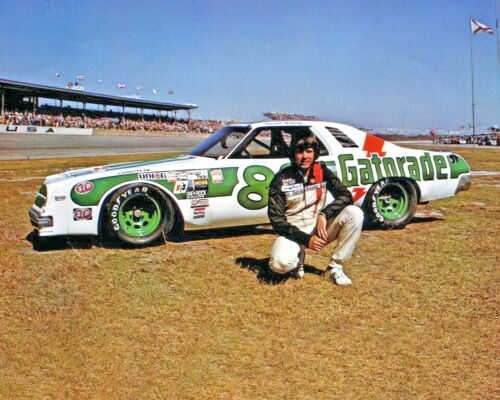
[{"x": 224, "y": 181}]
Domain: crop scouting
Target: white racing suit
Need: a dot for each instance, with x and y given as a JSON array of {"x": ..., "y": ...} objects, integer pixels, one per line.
[{"x": 294, "y": 207}]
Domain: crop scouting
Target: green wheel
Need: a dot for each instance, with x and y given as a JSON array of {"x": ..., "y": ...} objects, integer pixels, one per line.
[
  {"x": 391, "y": 203},
  {"x": 139, "y": 214}
]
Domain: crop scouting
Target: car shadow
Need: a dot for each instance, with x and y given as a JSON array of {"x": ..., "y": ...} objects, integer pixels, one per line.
[
  {"x": 87, "y": 242},
  {"x": 105, "y": 241},
  {"x": 367, "y": 226},
  {"x": 420, "y": 220},
  {"x": 264, "y": 274},
  {"x": 60, "y": 242},
  {"x": 220, "y": 233}
]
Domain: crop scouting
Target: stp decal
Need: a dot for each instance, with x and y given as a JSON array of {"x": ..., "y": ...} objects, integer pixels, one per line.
[
  {"x": 84, "y": 187},
  {"x": 82, "y": 214}
]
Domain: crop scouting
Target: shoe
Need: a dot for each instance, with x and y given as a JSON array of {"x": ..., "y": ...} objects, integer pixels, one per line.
[
  {"x": 298, "y": 273},
  {"x": 338, "y": 276}
]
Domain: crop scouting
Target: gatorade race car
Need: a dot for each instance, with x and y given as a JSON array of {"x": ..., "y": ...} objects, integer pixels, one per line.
[{"x": 224, "y": 181}]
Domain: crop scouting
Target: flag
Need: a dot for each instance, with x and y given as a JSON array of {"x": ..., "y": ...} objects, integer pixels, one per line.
[
  {"x": 155, "y": 91},
  {"x": 80, "y": 77},
  {"x": 170, "y": 91},
  {"x": 476, "y": 26},
  {"x": 121, "y": 86},
  {"x": 58, "y": 74}
]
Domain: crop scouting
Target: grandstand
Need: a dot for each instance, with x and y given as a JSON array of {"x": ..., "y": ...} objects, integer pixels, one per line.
[{"x": 22, "y": 96}]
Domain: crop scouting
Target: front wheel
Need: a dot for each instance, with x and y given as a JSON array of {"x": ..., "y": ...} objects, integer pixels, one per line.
[
  {"x": 139, "y": 214},
  {"x": 391, "y": 203}
]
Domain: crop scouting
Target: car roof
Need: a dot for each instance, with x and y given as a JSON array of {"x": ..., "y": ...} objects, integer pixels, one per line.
[{"x": 254, "y": 125}]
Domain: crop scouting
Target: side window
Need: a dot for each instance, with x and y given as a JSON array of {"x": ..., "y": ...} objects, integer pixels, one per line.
[
  {"x": 273, "y": 142},
  {"x": 265, "y": 143},
  {"x": 306, "y": 131},
  {"x": 342, "y": 138}
]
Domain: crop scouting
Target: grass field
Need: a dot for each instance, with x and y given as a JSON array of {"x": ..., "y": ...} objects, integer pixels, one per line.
[{"x": 201, "y": 319}]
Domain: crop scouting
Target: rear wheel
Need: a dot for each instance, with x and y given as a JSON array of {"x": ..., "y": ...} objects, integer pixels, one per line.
[
  {"x": 139, "y": 214},
  {"x": 391, "y": 203}
]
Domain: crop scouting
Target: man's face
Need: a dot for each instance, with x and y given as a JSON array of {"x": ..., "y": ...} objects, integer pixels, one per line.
[{"x": 304, "y": 158}]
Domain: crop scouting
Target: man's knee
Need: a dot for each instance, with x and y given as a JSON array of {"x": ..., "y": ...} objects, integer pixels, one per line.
[
  {"x": 283, "y": 263},
  {"x": 355, "y": 215},
  {"x": 284, "y": 255}
]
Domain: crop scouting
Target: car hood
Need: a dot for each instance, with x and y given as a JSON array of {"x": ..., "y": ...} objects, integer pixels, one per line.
[{"x": 167, "y": 164}]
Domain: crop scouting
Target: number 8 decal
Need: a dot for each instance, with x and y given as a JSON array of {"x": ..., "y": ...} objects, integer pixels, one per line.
[{"x": 256, "y": 194}]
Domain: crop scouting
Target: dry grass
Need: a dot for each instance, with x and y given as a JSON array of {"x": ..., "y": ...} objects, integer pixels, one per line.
[{"x": 200, "y": 320}]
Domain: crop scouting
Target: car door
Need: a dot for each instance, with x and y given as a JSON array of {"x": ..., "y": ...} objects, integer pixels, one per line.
[{"x": 257, "y": 159}]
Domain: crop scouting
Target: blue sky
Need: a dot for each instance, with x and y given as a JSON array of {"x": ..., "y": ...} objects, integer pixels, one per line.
[{"x": 378, "y": 63}]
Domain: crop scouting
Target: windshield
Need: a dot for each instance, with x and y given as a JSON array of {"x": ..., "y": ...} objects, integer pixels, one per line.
[{"x": 221, "y": 143}]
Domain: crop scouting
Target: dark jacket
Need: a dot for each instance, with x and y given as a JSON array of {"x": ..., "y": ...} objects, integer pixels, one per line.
[{"x": 294, "y": 203}]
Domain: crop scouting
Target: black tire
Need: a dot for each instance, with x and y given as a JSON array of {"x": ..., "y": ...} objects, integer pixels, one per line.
[
  {"x": 391, "y": 203},
  {"x": 139, "y": 214}
]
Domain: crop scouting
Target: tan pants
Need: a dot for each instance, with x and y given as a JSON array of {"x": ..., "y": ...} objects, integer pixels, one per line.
[{"x": 344, "y": 230}]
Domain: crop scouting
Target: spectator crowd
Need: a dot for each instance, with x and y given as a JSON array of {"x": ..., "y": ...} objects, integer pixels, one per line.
[
  {"x": 77, "y": 119},
  {"x": 288, "y": 117},
  {"x": 490, "y": 139}
]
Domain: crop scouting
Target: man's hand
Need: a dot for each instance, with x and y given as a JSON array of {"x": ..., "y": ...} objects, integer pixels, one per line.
[
  {"x": 316, "y": 243},
  {"x": 321, "y": 227}
]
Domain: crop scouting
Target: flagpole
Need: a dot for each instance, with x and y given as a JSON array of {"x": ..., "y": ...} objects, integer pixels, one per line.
[
  {"x": 472, "y": 87},
  {"x": 498, "y": 35}
]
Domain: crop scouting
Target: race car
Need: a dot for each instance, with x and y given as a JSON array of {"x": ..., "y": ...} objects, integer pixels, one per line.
[{"x": 224, "y": 181}]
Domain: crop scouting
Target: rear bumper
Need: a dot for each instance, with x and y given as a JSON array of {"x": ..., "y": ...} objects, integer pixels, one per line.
[
  {"x": 464, "y": 183},
  {"x": 38, "y": 220}
]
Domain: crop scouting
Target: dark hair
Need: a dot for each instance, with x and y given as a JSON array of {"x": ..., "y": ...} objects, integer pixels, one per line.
[{"x": 303, "y": 142}]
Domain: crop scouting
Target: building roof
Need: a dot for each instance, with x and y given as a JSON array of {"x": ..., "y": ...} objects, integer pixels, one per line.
[{"x": 52, "y": 92}]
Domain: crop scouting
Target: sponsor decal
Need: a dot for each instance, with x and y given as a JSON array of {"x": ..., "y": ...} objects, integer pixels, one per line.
[
  {"x": 60, "y": 198},
  {"x": 420, "y": 167},
  {"x": 196, "y": 194},
  {"x": 84, "y": 187},
  {"x": 316, "y": 186},
  {"x": 217, "y": 176},
  {"x": 199, "y": 212},
  {"x": 199, "y": 203},
  {"x": 373, "y": 145},
  {"x": 176, "y": 176},
  {"x": 128, "y": 171},
  {"x": 201, "y": 184},
  {"x": 291, "y": 188},
  {"x": 294, "y": 193},
  {"x": 197, "y": 174},
  {"x": 82, "y": 214},
  {"x": 199, "y": 208},
  {"x": 357, "y": 193},
  {"x": 153, "y": 175},
  {"x": 288, "y": 181},
  {"x": 181, "y": 187}
]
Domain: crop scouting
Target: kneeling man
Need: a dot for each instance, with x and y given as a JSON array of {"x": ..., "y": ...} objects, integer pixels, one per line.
[{"x": 300, "y": 216}]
